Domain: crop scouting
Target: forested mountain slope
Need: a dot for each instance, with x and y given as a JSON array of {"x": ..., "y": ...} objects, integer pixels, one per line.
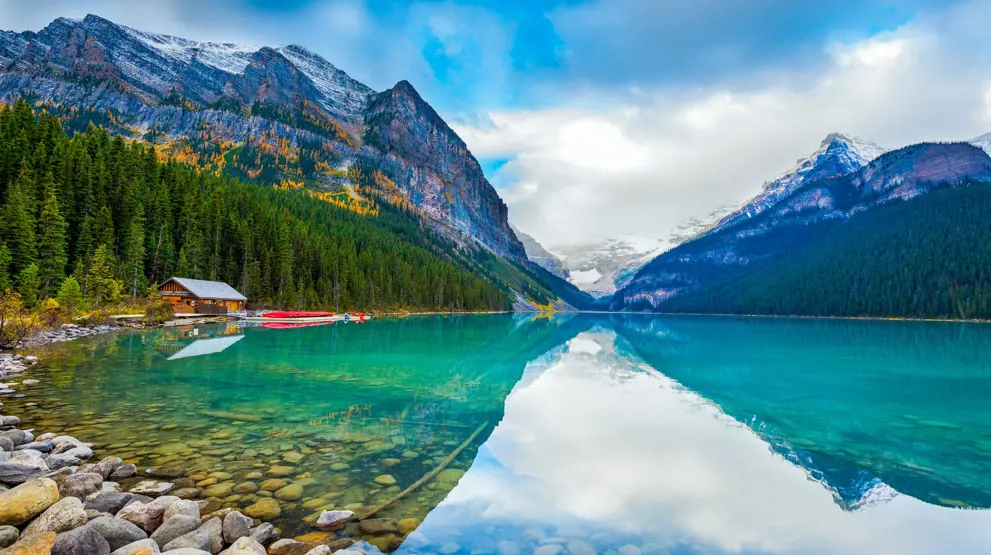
[
  {"x": 928, "y": 257},
  {"x": 109, "y": 212},
  {"x": 281, "y": 117}
]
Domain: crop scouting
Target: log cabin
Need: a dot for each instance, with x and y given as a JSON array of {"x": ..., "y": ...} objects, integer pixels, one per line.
[{"x": 190, "y": 296}]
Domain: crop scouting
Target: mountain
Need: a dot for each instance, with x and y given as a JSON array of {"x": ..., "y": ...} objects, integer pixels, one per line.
[
  {"x": 838, "y": 154},
  {"x": 541, "y": 256},
  {"x": 770, "y": 250},
  {"x": 276, "y": 116},
  {"x": 601, "y": 268}
]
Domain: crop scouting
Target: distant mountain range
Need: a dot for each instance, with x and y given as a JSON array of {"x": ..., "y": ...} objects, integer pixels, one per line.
[
  {"x": 760, "y": 258},
  {"x": 279, "y": 116}
]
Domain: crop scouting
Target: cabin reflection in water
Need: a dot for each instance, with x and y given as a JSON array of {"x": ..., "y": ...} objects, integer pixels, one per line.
[{"x": 191, "y": 341}]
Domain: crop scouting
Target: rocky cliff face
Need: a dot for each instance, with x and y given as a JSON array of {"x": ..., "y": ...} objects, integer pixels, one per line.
[
  {"x": 436, "y": 170},
  {"x": 285, "y": 101},
  {"x": 894, "y": 176}
]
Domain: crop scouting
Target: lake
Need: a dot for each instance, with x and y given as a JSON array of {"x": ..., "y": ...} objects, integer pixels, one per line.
[{"x": 573, "y": 434}]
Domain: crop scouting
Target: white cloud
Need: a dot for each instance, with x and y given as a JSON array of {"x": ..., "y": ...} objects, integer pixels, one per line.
[{"x": 641, "y": 162}]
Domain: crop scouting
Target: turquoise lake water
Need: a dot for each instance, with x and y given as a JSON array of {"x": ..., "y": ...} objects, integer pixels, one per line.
[{"x": 618, "y": 434}]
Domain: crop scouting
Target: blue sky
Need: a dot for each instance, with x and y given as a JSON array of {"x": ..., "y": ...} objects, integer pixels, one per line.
[{"x": 623, "y": 118}]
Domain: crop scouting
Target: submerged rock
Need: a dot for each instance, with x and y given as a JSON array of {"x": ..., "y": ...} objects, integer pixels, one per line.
[{"x": 265, "y": 509}]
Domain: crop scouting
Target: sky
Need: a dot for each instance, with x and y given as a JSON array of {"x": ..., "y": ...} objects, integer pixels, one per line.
[{"x": 601, "y": 119}]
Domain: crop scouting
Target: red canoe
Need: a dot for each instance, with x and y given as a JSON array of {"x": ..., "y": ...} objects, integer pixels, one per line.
[
  {"x": 282, "y": 315},
  {"x": 292, "y": 325}
]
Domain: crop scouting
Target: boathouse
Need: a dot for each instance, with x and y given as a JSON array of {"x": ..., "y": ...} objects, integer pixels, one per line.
[{"x": 197, "y": 296}]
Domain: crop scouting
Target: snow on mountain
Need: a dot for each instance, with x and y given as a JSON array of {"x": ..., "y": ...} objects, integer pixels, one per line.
[
  {"x": 983, "y": 142},
  {"x": 838, "y": 154},
  {"x": 338, "y": 87},
  {"x": 601, "y": 268},
  {"x": 158, "y": 66},
  {"x": 227, "y": 57}
]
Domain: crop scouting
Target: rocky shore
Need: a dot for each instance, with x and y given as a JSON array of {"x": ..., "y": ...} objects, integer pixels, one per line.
[
  {"x": 67, "y": 332},
  {"x": 54, "y": 499}
]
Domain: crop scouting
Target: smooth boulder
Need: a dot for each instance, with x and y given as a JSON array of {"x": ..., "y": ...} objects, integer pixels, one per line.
[
  {"x": 236, "y": 526},
  {"x": 140, "y": 547},
  {"x": 84, "y": 540},
  {"x": 111, "y": 502},
  {"x": 245, "y": 546},
  {"x": 64, "y": 515},
  {"x": 117, "y": 532},
  {"x": 172, "y": 528},
  {"x": 27, "y": 501},
  {"x": 197, "y": 539}
]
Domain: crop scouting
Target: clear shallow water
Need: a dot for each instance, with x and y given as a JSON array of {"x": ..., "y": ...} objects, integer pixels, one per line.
[{"x": 598, "y": 433}]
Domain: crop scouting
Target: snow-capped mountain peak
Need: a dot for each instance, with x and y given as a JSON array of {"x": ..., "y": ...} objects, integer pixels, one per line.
[
  {"x": 158, "y": 65},
  {"x": 838, "y": 154}
]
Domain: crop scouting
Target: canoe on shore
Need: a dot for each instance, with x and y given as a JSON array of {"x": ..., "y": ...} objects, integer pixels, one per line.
[
  {"x": 282, "y": 315},
  {"x": 361, "y": 317}
]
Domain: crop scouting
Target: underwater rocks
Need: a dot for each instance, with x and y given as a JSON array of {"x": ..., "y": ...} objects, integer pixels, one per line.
[{"x": 218, "y": 487}]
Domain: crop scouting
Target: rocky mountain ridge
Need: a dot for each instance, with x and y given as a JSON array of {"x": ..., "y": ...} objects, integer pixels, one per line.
[{"x": 280, "y": 115}]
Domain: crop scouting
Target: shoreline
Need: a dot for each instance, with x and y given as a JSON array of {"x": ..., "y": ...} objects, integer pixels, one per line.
[
  {"x": 70, "y": 332},
  {"x": 52, "y": 495}
]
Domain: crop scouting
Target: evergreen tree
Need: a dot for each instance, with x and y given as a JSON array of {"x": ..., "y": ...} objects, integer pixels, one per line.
[
  {"x": 103, "y": 287},
  {"x": 51, "y": 236},
  {"x": 17, "y": 224},
  {"x": 29, "y": 285},
  {"x": 70, "y": 296},
  {"x": 5, "y": 282}
]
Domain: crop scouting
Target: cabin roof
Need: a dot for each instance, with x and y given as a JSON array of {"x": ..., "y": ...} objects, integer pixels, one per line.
[{"x": 208, "y": 289}]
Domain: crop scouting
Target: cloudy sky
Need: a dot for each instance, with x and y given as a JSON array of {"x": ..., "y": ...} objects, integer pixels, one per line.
[{"x": 616, "y": 118}]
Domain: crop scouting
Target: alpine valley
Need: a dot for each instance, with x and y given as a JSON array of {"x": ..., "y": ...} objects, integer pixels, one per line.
[{"x": 286, "y": 119}]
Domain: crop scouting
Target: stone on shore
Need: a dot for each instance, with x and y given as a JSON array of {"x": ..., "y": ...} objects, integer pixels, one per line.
[
  {"x": 38, "y": 544},
  {"x": 84, "y": 540},
  {"x": 246, "y": 546},
  {"x": 172, "y": 528},
  {"x": 197, "y": 539},
  {"x": 140, "y": 547},
  {"x": 27, "y": 501},
  {"x": 264, "y": 534},
  {"x": 111, "y": 502},
  {"x": 80, "y": 484},
  {"x": 289, "y": 547},
  {"x": 117, "y": 532},
  {"x": 152, "y": 488},
  {"x": 183, "y": 507},
  {"x": 107, "y": 466},
  {"x": 236, "y": 526},
  {"x": 124, "y": 472},
  {"x": 147, "y": 515},
  {"x": 215, "y": 528},
  {"x": 8, "y": 535},
  {"x": 64, "y": 515}
]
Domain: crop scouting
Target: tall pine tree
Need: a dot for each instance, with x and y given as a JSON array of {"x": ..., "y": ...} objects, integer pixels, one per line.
[{"x": 51, "y": 236}]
